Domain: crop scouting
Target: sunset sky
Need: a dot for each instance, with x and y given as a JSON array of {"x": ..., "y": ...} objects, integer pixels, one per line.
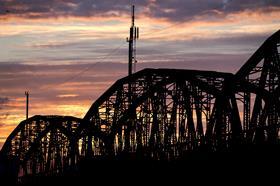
[{"x": 66, "y": 53}]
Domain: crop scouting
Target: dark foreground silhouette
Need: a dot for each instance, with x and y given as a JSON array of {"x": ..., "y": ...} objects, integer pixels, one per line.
[{"x": 261, "y": 160}]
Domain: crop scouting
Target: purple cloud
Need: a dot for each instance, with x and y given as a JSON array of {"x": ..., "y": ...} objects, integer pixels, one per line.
[
  {"x": 3, "y": 101},
  {"x": 177, "y": 10}
]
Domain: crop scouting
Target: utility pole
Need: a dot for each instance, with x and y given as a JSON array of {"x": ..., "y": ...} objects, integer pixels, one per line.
[
  {"x": 133, "y": 36},
  {"x": 27, "y": 103}
]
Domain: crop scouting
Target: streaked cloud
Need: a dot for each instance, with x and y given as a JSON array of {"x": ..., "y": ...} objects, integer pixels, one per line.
[
  {"x": 174, "y": 10},
  {"x": 195, "y": 9},
  {"x": 67, "y": 96}
]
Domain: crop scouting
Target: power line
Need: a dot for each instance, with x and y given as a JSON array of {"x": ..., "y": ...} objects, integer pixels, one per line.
[
  {"x": 81, "y": 72},
  {"x": 156, "y": 31},
  {"x": 91, "y": 65}
]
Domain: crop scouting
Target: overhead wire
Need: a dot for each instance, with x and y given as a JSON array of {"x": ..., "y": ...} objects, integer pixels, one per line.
[{"x": 81, "y": 72}]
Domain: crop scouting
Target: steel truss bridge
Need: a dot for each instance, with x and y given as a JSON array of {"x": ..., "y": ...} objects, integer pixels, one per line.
[{"x": 160, "y": 114}]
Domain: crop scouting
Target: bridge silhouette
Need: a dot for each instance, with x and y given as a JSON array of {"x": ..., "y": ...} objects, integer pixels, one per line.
[{"x": 159, "y": 114}]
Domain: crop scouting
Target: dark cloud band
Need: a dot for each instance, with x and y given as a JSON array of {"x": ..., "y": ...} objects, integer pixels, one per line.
[{"x": 176, "y": 10}]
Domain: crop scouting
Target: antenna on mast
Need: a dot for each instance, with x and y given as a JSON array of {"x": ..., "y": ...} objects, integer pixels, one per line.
[
  {"x": 132, "y": 15},
  {"x": 133, "y": 36}
]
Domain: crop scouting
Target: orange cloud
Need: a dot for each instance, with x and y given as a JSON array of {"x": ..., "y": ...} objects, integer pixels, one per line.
[{"x": 67, "y": 96}]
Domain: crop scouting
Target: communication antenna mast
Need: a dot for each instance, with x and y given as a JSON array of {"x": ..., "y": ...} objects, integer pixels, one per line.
[
  {"x": 133, "y": 36},
  {"x": 27, "y": 103}
]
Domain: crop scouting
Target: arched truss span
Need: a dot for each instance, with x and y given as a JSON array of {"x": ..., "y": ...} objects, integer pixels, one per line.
[
  {"x": 44, "y": 144},
  {"x": 147, "y": 108}
]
